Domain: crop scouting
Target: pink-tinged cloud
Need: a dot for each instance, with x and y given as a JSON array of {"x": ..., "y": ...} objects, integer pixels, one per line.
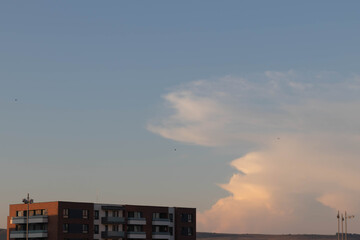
[
  {"x": 306, "y": 130},
  {"x": 296, "y": 185}
]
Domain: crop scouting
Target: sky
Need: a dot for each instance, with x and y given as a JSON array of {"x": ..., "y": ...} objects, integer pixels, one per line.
[{"x": 246, "y": 110}]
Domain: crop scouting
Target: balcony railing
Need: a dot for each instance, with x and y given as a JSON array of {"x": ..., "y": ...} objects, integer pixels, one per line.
[
  {"x": 32, "y": 219},
  {"x": 32, "y": 234},
  {"x": 161, "y": 221},
  {"x": 112, "y": 234},
  {"x": 136, "y": 235},
  {"x": 112, "y": 220},
  {"x": 137, "y": 221},
  {"x": 161, "y": 235}
]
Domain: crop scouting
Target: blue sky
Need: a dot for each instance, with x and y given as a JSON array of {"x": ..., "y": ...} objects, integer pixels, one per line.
[{"x": 92, "y": 95}]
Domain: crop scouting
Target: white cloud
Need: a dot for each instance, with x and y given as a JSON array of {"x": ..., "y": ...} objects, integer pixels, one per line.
[
  {"x": 306, "y": 128},
  {"x": 193, "y": 116},
  {"x": 293, "y": 186}
]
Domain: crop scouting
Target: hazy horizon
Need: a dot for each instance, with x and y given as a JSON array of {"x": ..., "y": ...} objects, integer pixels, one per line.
[{"x": 245, "y": 110}]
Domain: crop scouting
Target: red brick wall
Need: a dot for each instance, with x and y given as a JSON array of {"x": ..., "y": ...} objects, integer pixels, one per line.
[
  {"x": 56, "y": 220},
  {"x": 51, "y": 207}
]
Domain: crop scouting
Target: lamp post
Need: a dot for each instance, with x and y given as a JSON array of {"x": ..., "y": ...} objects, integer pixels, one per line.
[
  {"x": 342, "y": 227},
  {"x": 338, "y": 232},
  {"x": 346, "y": 225},
  {"x": 27, "y": 201},
  {"x": 347, "y": 217}
]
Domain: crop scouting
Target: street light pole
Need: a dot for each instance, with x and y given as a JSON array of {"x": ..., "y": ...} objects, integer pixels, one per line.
[
  {"x": 27, "y": 201},
  {"x": 345, "y": 226},
  {"x": 347, "y": 217},
  {"x": 338, "y": 232},
  {"x": 342, "y": 227}
]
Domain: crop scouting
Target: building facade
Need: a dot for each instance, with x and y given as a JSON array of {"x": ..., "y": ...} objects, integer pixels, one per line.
[{"x": 94, "y": 221}]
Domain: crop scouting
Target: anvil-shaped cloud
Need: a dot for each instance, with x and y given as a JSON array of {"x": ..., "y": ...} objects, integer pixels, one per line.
[{"x": 306, "y": 129}]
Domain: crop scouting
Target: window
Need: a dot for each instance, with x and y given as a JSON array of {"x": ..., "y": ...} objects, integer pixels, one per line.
[
  {"x": 186, "y": 217},
  {"x": 85, "y": 213},
  {"x": 96, "y": 214},
  {"x": 85, "y": 228},
  {"x": 37, "y": 227},
  {"x": 135, "y": 228},
  {"x": 106, "y": 213},
  {"x": 65, "y": 213},
  {"x": 19, "y": 227},
  {"x": 38, "y": 212},
  {"x": 171, "y": 217},
  {"x": 187, "y": 231},
  {"x": 160, "y": 229},
  {"x": 19, "y": 213},
  {"x": 65, "y": 227},
  {"x": 138, "y": 214},
  {"x": 171, "y": 231},
  {"x": 96, "y": 229},
  {"x": 160, "y": 216},
  {"x": 115, "y": 228},
  {"x": 115, "y": 213},
  {"x": 106, "y": 228},
  {"x": 189, "y": 217},
  {"x": 135, "y": 214}
]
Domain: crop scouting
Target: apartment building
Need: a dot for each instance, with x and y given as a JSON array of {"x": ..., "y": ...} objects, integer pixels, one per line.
[{"x": 94, "y": 221}]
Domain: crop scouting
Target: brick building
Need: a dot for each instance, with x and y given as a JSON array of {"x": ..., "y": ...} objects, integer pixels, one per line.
[{"x": 93, "y": 221}]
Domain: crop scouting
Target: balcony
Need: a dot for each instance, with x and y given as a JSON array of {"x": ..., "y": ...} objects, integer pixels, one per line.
[
  {"x": 32, "y": 219},
  {"x": 161, "y": 235},
  {"x": 112, "y": 234},
  {"x": 112, "y": 220},
  {"x": 161, "y": 221},
  {"x": 32, "y": 234},
  {"x": 137, "y": 221},
  {"x": 136, "y": 235}
]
